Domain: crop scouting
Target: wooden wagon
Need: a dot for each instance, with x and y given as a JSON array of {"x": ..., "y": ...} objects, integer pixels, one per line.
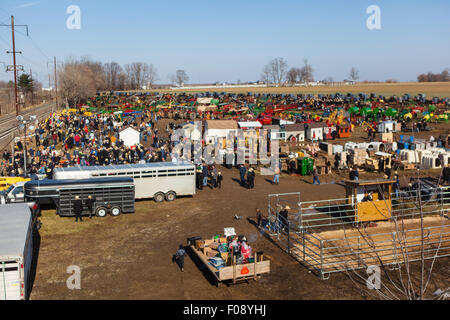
[{"x": 233, "y": 272}]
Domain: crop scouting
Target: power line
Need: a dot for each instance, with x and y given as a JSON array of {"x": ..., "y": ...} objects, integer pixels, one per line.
[
  {"x": 35, "y": 45},
  {"x": 14, "y": 67}
]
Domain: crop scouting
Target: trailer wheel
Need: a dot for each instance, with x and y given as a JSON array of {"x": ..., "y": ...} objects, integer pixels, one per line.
[
  {"x": 101, "y": 212},
  {"x": 116, "y": 211},
  {"x": 159, "y": 197},
  {"x": 171, "y": 196}
]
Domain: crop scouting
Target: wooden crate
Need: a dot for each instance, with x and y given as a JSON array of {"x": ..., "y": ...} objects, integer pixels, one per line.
[{"x": 408, "y": 166}]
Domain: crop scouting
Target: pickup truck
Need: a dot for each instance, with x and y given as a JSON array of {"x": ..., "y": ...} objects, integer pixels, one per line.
[{"x": 14, "y": 193}]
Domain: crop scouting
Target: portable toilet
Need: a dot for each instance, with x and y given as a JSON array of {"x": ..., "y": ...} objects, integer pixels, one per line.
[{"x": 305, "y": 165}]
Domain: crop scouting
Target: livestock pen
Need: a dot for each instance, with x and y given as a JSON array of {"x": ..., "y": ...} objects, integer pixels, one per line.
[{"x": 326, "y": 236}]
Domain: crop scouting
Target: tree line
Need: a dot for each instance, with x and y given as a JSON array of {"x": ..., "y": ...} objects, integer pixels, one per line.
[
  {"x": 81, "y": 78},
  {"x": 434, "y": 77},
  {"x": 277, "y": 71}
]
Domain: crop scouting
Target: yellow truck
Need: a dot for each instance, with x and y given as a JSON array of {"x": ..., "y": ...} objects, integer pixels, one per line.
[{"x": 6, "y": 182}]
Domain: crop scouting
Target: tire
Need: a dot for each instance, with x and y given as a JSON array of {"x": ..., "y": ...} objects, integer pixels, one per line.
[
  {"x": 101, "y": 212},
  {"x": 159, "y": 197},
  {"x": 171, "y": 196},
  {"x": 116, "y": 211}
]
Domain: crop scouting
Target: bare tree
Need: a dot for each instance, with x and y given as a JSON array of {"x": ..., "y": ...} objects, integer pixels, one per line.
[
  {"x": 139, "y": 74},
  {"x": 278, "y": 69},
  {"x": 306, "y": 74},
  {"x": 78, "y": 81},
  {"x": 353, "y": 74},
  {"x": 152, "y": 75},
  {"x": 409, "y": 245},
  {"x": 293, "y": 75},
  {"x": 328, "y": 80},
  {"x": 265, "y": 75},
  {"x": 112, "y": 73},
  {"x": 97, "y": 72},
  {"x": 179, "y": 78}
]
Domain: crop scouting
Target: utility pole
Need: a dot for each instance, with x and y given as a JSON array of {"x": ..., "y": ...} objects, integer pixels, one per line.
[
  {"x": 56, "y": 84},
  {"x": 32, "y": 87},
  {"x": 15, "y": 67}
]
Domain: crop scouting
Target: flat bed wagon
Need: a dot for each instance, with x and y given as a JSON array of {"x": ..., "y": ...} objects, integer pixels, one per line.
[{"x": 232, "y": 271}]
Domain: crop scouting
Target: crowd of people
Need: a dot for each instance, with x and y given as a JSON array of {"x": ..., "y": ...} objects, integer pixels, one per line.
[{"x": 86, "y": 140}]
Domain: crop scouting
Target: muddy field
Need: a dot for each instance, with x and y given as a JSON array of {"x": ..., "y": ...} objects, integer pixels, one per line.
[{"x": 130, "y": 257}]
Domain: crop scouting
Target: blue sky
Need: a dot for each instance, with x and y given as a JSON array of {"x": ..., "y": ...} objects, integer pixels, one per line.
[{"x": 233, "y": 40}]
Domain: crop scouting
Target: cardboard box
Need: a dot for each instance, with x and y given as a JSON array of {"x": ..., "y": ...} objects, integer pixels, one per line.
[
  {"x": 388, "y": 137},
  {"x": 214, "y": 245},
  {"x": 209, "y": 253},
  {"x": 199, "y": 244}
]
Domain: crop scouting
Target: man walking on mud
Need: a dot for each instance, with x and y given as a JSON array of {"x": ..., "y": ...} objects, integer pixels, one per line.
[
  {"x": 242, "y": 172},
  {"x": 179, "y": 257}
]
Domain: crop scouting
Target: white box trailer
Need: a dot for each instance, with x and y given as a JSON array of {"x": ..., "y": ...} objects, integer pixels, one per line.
[
  {"x": 16, "y": 251},
  {"x": 157, "y": 180}
]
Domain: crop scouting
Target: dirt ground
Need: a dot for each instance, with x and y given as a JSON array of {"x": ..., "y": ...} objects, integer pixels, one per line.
[{"x": 130, "y": 257}]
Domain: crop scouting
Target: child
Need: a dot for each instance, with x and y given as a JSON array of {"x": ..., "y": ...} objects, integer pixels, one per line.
[{"x": 219, "y": 180}]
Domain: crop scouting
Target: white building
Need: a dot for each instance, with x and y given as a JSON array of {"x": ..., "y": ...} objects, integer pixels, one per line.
[
  {"x": 219, "y": 129},
  {"x": 315, "y": 130},
  {"x": 387, "y": 126},
  {"x": 130, "y": 137}
]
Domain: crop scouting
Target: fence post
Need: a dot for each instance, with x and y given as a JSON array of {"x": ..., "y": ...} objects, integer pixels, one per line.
[
  {"x": 289, "y": 236},
  {"x": 303, "y": 240},
  {"x": 358, "y": 256},
  {"x": 394, "y": 247},
  {"x": 321, "y": 258}
]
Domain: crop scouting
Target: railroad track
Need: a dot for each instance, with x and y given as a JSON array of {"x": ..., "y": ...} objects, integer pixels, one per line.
[{"x": 8, "y": 124}]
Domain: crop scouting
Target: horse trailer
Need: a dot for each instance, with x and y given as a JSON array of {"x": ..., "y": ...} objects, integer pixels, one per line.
[
  {"x": 157, "y": 180},
  {"x": 16, "y": 251},
  {"x": 112, "y": 195}
]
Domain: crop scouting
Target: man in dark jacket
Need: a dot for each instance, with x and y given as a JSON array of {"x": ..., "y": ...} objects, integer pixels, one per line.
[
  {"x": 446, "y": 174},
  {"x": 242, "y": 171},
  {"x": 78, "y": 208},
  {"x": 251, "y": 178},
  {"x": 90, "y": 204},
  {"x": 219, "y": 180},
  {"x": 179, "y": 257}
]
